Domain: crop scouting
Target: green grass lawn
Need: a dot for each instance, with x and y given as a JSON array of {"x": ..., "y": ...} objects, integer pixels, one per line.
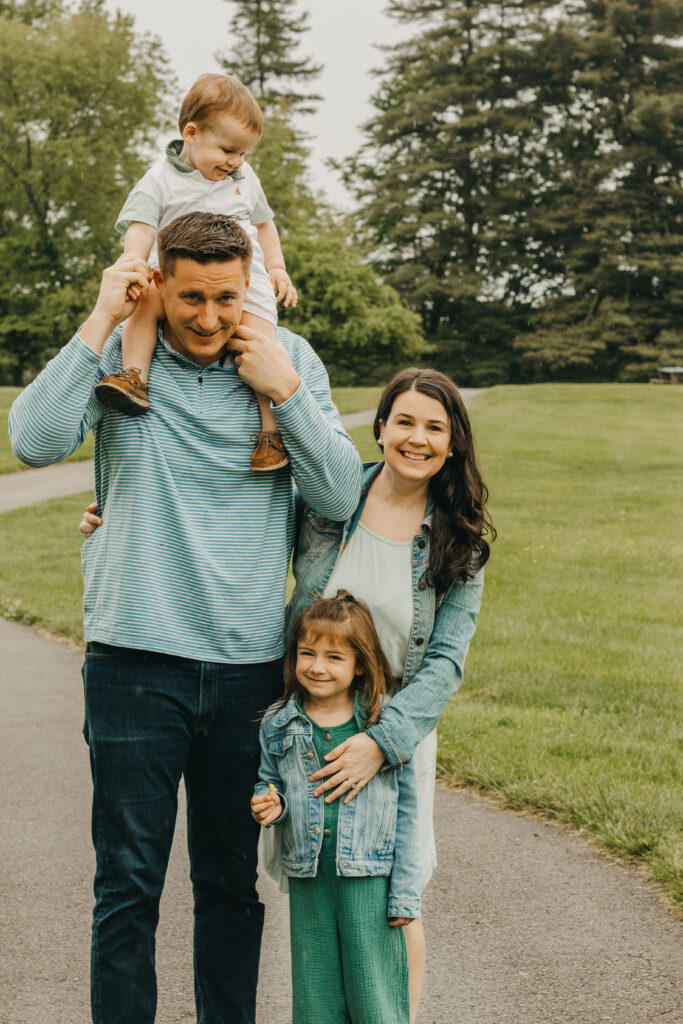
[
  {"x": 572, "y": 696},
  {"x": 346, "y": 400}
]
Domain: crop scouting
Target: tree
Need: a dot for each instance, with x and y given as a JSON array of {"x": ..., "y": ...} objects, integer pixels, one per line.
[
  {"x": 266, "y": 35},
  {"x": 614, "y": 210},
  {"x": 447, "y": 175},
  {"x": 69, "y": 82},
  {"x": 354, "y": 321}
]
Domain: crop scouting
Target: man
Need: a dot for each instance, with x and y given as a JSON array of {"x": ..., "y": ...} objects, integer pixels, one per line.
[{"x": 184, "y": 596}]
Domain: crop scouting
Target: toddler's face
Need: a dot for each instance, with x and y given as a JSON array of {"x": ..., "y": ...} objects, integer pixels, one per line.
[
  {"x": 218, "y": 147},
  {"x": 325, "y": 668}
]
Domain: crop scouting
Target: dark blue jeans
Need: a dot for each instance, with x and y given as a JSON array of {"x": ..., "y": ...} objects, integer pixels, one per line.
[{"x": 150, "y": 719}]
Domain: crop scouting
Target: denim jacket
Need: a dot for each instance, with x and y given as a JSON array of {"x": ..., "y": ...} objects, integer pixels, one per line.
[
  {"x": 376, "y": 831},
  {"x": 441, "y": 633}
]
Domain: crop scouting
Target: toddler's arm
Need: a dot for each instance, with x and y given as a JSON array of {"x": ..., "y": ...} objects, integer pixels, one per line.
[
  {"x": 269, "y": 240},
  {"x": 268, "y": 803}
]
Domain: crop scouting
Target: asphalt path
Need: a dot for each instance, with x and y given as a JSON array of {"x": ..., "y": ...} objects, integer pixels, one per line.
[{"x": 525, "y": 923}]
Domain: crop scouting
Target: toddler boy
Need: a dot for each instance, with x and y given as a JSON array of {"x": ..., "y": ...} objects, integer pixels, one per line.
[{"x": 220, "y": 121}]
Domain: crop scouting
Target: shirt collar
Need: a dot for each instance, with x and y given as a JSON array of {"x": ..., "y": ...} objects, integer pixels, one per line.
[{"x": 173, "y": 156}]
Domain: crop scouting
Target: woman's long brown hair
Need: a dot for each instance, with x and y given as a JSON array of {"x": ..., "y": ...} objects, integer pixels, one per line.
[
  {"x": 460, "y": 521},
  {"x": 348, "y": 621}
]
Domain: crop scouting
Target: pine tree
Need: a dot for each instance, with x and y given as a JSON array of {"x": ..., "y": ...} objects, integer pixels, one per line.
[
  {"x": 614, "y": 209},
  {"x": 265, "y": 37},
  {"x": 447, "y": 177}
]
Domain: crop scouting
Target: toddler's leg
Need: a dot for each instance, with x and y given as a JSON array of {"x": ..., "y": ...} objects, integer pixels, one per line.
[
  {"x": 270, "y": 452},
  {"x": 127, "y": 390}
]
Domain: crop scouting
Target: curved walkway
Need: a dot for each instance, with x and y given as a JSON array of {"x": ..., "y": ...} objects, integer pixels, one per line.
[{"x": 525, "y": 923}]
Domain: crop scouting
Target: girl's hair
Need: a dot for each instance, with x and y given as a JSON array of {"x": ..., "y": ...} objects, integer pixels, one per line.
[
  {"x": 460, "y": 521},
  {"x": 212, "y": 95},
  {"x": 347, "y": 621}
]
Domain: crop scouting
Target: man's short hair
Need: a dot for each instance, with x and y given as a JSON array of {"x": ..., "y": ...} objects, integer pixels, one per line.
[
  {"x": 204, "y": 238},
  {"x": 212, "y": 95}
]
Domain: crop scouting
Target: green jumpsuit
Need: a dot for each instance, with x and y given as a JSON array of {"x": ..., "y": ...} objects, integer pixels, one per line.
[{"x": 348, "y": 965}]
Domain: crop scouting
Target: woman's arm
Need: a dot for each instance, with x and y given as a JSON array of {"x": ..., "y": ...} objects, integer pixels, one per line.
[
  {"x": 414, "y": 711},
  {"x": 406, "y": 877}
]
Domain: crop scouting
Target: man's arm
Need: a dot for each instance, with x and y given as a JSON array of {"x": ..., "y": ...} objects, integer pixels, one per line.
[
  {"x": 325, "y": 463},
  {"x": 52, "y": 416}
]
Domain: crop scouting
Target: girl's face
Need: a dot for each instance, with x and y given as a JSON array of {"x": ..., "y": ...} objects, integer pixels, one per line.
[
  {"x": 325, "y": 667},
  {"x": 416, "y": 436}
]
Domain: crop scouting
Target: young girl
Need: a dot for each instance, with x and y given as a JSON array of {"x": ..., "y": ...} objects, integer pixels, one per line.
[{"x": 353, "y": 867}]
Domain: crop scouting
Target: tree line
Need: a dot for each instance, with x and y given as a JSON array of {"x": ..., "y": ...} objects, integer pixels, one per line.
[{"x": 518, "y": 190}]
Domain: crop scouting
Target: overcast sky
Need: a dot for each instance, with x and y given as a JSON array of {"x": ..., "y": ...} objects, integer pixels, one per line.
[{"x": 342, "y": 34}]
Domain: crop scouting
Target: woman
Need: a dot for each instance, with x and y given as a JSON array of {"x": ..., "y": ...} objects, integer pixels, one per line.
[{"x": 414, "y": 551}]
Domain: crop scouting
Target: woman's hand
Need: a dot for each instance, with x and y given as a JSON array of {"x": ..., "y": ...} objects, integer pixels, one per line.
[
  {"x": 90, "y": 520},
  {"x": 353, "y": 764}
]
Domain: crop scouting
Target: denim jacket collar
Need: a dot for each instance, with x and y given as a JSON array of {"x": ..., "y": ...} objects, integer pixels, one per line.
[{"x": 293, "y": 709}]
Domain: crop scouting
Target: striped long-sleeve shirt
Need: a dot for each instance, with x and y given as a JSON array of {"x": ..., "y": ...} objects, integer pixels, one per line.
[{"x": 192, "y": 558}]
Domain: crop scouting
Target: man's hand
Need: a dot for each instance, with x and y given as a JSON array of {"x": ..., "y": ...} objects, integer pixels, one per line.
[
  {"x": 264, "y": 364},
  {"x": 283, "y": 287},
  {"x": 266, "y": 808},
  {"x": 114, "y": 304}
]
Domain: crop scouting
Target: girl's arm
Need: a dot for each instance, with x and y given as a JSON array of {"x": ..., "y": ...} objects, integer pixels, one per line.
[
  {"x": 269, "y": 776},
  {"x": 406, "y": 877},
  {"x": 414, "y": 711},
  {"x": 269, "y": 240}
]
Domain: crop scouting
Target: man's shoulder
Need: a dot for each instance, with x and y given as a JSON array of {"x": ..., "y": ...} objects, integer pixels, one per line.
[{"x": 296, "y": 345}]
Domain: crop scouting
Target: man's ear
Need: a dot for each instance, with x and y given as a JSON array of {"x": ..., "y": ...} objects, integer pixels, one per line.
[{"x": 158, "y": 278}]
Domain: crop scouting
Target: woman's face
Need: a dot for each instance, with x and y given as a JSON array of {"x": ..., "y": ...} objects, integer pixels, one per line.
[{"x": 416, "y": 436}]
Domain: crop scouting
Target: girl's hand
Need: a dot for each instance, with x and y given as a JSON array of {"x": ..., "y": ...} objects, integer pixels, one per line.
[
  {"x": 400, "y": 922},
  {"x": 266, "y": 808},
  {"x": 283, "y": 287},
  {"x": 90, "y": 520},
  {"x": 353, "y": 763}
]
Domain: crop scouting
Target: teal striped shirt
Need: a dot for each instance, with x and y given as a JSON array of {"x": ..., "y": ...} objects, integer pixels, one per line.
[{"x": 192, "y": 558}]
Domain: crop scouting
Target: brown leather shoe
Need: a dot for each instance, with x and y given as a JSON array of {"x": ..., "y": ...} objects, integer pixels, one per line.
[
  {"x": 269, "y": 453},
  {"x": 125, "y": 391}
]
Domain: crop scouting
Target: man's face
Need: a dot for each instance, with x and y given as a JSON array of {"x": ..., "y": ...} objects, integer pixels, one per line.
[
  {"x": 217, "y": 148},
  {"x": 203, "y": 304}
]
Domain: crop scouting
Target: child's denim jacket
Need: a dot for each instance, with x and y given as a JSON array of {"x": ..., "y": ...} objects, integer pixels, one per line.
[
  {"x": 441, "y": 633},
  {"x": 376, "y": 831}
]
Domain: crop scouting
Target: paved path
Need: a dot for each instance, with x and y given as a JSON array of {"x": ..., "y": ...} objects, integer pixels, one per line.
[
  {"x": 525, "y": 923},
  {"x": 32, "y": 485}
]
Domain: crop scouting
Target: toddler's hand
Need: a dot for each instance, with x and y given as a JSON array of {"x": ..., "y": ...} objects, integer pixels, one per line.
[
  {"x": 400, "y": 922},
  {"x": 266, "y": 808},
  {"x": 283, "y": 287}
]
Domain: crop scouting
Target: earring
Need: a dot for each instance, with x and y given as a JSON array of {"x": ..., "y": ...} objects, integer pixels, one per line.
[
  {"x": 380, "y": 442},
  {"x": 450, "y": 455}
]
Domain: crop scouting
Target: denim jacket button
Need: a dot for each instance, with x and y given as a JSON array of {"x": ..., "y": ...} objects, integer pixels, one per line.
[
  {"x": 308, "y": 755},
  {"x": 422, "y": 585},
  {"x": 421, "y": 543},
  {"x": 347, "y": 865},
  {"x": 347, "y": 831},
  {"x": 316, "y": 831},
  {"x": 419, "y": 641}
]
